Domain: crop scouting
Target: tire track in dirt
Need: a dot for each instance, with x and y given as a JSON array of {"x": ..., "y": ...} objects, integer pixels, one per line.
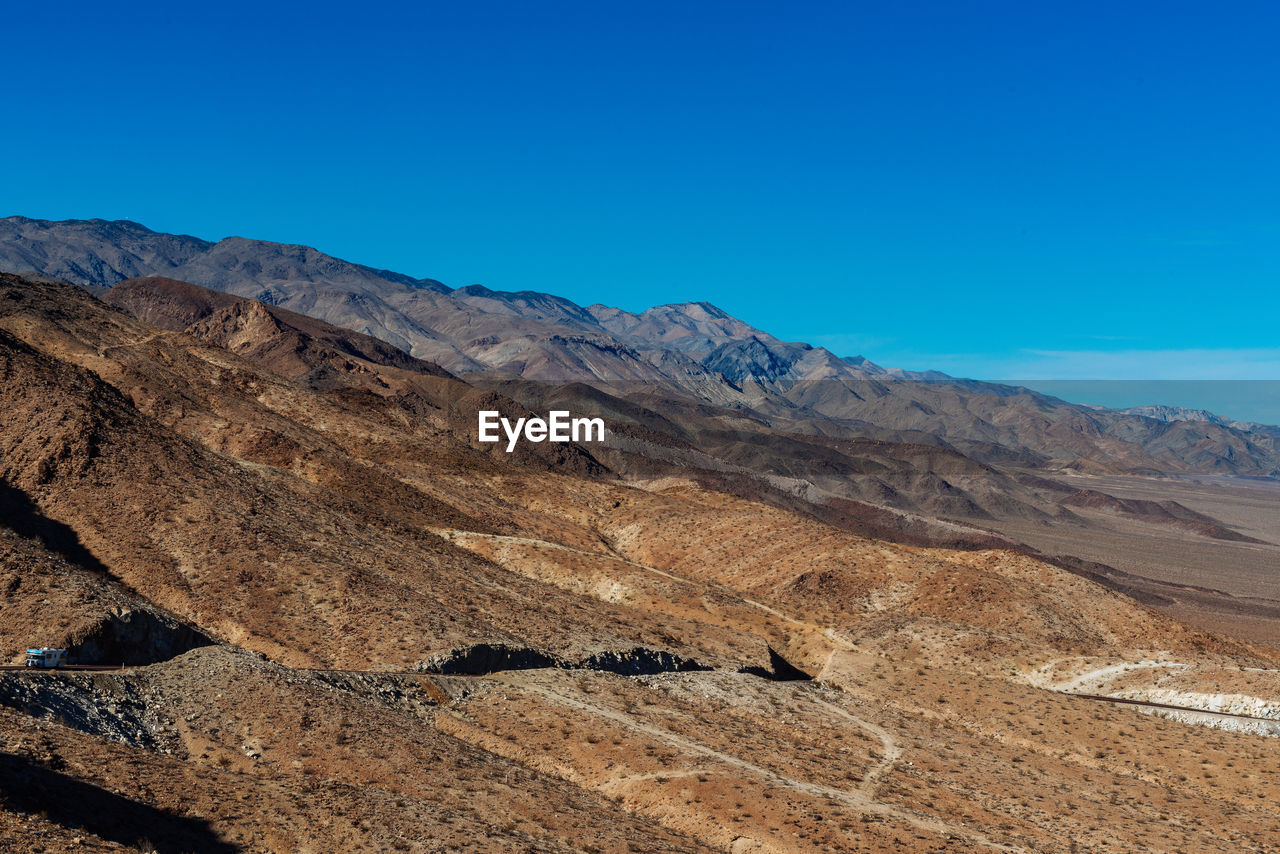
[
  {"x": 889, "y": 747},
  {"x": 858, "y": 799}
]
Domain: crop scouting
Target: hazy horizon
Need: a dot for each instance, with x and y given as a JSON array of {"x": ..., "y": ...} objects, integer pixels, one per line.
[{"x": 1238, "y": 400}]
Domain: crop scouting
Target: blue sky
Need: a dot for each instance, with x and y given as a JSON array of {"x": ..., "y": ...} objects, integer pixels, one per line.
[{"x": 1000, "y": 190}]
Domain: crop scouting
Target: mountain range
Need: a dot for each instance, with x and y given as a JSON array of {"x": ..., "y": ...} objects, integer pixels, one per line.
[
  {"x": 791, "y": 602},
  {"x": 693, "y": 351},
  {"x": 688, "y": 390}
]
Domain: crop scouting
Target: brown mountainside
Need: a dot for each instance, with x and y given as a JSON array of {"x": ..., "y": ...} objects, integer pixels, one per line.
[
  {"x": 578, "y": 649},
  {"x": 244, "y": 494}
]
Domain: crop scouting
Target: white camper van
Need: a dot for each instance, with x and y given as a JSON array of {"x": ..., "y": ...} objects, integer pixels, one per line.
[{"x": 46, "y": 657}]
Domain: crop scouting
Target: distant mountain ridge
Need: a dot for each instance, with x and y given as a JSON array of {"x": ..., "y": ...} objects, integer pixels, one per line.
[
  {"x": 694, "y": 350},
  {"x": 1175, "y": 413},
  {"x": 465, "y": 329},
  {"x": 101, "y": 253},
  {"x": 1169, "y": 414}
]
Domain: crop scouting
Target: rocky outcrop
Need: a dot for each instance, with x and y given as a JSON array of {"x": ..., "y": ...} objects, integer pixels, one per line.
[
  {"x": 481, "y": 658},
  {"x": 639, "y": 661},
  {"x": 96, "y": 703},
  {"x": 134, "y": 637}
]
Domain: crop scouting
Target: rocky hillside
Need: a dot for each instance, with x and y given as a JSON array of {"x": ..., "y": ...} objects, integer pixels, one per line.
[{"x": 355, "y": 629}]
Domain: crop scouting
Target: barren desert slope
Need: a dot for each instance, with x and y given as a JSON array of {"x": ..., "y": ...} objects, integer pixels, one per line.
[{"x": 355, "y": 628}]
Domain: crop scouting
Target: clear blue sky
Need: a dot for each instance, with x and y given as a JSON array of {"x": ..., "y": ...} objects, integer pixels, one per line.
[{"x": 1001, "y": 190}]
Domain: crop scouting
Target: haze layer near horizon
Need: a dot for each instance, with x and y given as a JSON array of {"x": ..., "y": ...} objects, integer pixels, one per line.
[{"x": 1236, "y": 400}]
